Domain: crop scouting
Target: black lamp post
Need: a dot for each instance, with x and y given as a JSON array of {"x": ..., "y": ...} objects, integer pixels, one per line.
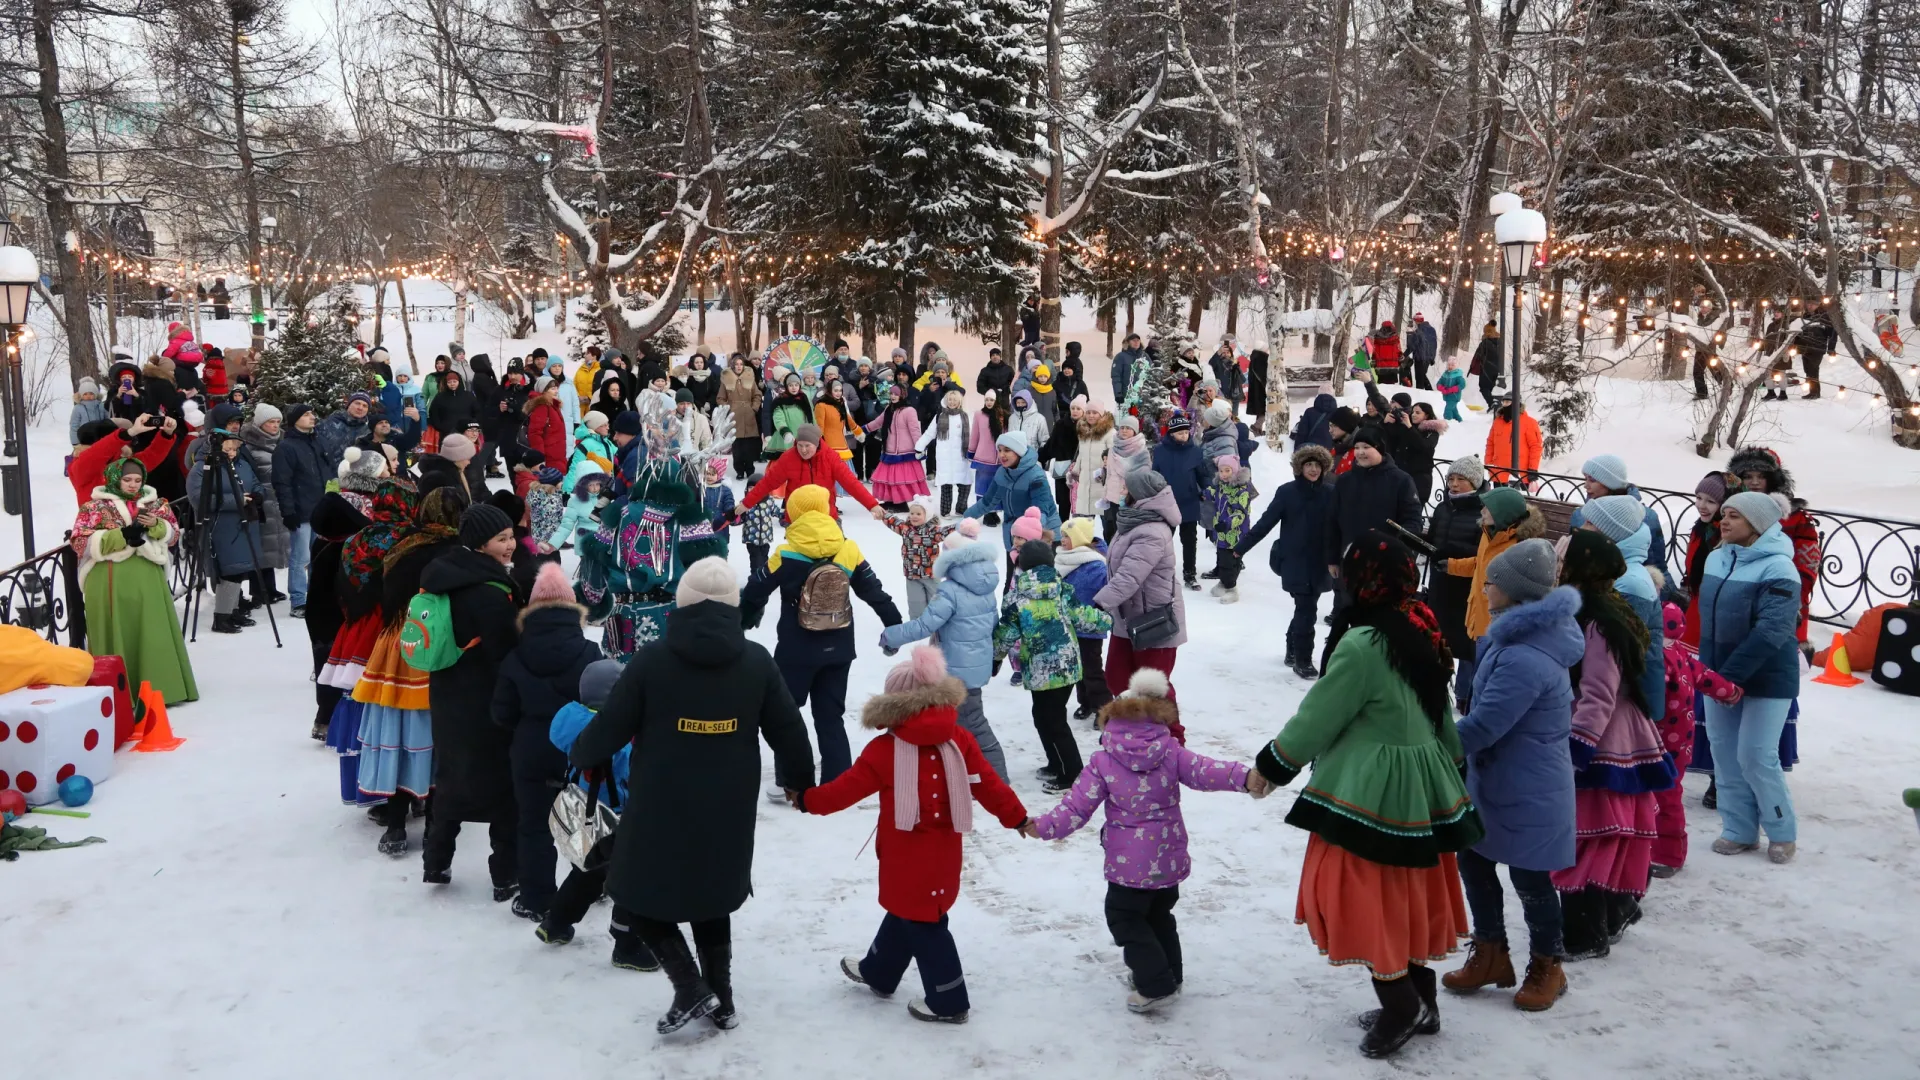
[
  {"x": 19, "y": 273},
  {"x": 1519, "y": 232}
]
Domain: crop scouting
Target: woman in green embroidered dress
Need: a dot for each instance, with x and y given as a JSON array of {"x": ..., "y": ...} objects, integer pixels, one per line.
[{"x": 1386, "y": 803}]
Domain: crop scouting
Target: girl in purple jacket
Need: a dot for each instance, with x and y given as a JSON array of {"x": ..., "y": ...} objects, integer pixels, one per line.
[{"x": 1137, "y": 774}]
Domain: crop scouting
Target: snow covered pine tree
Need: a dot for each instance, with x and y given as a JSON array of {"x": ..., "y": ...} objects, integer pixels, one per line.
[
  {"x": 1563, "y": 400},
  {"x": 313, "y": 361}
]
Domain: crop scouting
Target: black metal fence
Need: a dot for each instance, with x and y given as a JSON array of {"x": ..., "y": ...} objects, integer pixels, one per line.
[
  {"x": 1863, "y": 560},
  {"x": 43, "y": 594}
]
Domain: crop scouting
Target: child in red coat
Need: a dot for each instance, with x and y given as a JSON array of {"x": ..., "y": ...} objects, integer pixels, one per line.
[
  {"x": 1685, "y": 675},
  {"x": 928, "y": 770}
]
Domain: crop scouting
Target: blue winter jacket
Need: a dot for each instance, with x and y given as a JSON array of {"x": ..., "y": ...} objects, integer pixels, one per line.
[
  {"x": 1749, "y": 611},
  {"x": 1656, "y": 554},
  {"x": 1519, "y": 770},
  {"x": 1299, "y": 555},
  {"x": 1084, "y": 570},
  {"x": 963, "y": 612},
  {"x": 567, "y": 725},
  {"x": 1015, "y": 489},
  {"x": 1187, "y": 472},
  {"x": 1637, "y": 586},
  {"x": 1311, "y": 429}
]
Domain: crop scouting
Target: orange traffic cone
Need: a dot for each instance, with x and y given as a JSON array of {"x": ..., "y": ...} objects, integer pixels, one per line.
[
  {"x": 156, "y": 734},
  {"x": 1838, "y": 672}
]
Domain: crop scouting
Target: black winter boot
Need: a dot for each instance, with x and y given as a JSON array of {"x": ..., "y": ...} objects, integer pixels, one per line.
[
  {"x": 1622, "y": 911},
  {"x": 224, "y": 624},
  {"x": 692, "y": 997},
  {"x": 393, "y": 842},
  {"x": 1585, "y": 914},
  {"x": 716, "y": 966},
  {"x": 1711, "y": 800},
  {"x": 1424, "y": 985},
  {"x": 632, "y": 954},
  {"x": 1400, "y": 1013}
]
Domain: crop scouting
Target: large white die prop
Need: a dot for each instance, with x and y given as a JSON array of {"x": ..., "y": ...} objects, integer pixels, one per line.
[{"x": 48, "y": 733}]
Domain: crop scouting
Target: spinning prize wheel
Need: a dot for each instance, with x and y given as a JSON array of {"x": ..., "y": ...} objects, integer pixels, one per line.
[{"x": 797, "y": 352}]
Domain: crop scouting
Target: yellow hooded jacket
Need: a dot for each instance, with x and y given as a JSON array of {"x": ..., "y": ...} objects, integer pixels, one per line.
[{"x": 812, "y": 534}]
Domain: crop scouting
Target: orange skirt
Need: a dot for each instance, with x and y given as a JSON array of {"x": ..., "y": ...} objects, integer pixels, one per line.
[
  {"x": 388, "y": 679},
  {"x": 1363, "y": 912}
]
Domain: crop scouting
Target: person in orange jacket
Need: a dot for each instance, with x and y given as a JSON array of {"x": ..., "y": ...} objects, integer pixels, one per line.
[
  {"x": 928, "y": 771},
  {"x": 1499, "y": 455}
]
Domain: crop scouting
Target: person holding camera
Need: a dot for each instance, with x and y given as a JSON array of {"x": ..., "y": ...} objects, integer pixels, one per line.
[{"x": 227, "y": 494}]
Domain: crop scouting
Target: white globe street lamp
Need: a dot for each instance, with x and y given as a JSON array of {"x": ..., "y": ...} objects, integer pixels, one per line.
[{"x": 19, "y": 273}]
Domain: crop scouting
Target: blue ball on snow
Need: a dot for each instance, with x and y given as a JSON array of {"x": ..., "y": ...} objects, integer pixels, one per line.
[{"x": 76, "y": 791}]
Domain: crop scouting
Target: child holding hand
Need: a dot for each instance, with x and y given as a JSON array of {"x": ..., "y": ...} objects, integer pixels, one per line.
[
  {"x": 1137, "y": 775},
  {"x": 1687, "y": 680},
  {"x": 928, "y": 771},
  {"x": 920, "y": 536}
]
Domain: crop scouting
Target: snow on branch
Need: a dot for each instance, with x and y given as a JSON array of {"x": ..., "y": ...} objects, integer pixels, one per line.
[{"x": 1117, "y": 133}]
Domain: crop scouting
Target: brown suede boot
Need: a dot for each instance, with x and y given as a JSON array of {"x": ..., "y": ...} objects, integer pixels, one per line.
[
  {"x": 1488, "y": 964},
  {"x": 1546, "y": 981}
]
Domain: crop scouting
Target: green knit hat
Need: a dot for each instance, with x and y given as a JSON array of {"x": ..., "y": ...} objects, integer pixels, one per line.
[{"x": 1506, "y": 505}]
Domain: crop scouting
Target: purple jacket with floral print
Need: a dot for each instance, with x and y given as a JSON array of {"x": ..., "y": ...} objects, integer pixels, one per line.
[{"x": 1137, "y": 773}]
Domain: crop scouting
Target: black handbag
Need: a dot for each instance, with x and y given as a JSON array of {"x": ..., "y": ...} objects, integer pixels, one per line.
[{"x": 1153, "y": 627}]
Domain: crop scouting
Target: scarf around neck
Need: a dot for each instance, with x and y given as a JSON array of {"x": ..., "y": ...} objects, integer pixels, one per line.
[{"x": 906, "y": 786}]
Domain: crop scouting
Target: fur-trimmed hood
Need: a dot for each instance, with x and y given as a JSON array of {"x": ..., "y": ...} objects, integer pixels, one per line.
[
  {"x": 977, "y": 552},
  {"x": 1531, "y": 527},
  {"x": 1764, "y": 460},
  {"x": 1436, "y": 425},
  {"x": 1313, "y": 453},
  {"x": 1547, "y": 624},
  {"x": 550, "y": 605},
  {"x": 885, "y": 711},
  {"x": 1130, "y": 707},
  {"x": 1096, "y": 425}
]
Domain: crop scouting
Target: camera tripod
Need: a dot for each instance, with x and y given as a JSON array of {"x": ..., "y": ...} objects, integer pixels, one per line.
[{"x": 206, "y": 513}]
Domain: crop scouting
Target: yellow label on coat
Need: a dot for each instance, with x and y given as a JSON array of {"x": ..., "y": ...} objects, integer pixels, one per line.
[{"x": 709, "y": 727}]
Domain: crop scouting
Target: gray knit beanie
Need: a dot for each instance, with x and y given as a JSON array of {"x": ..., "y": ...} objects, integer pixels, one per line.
[
  {"x": 1468, "y": 468},
  {"x": 1144, "y": 484},
  {"x": 1526, "y": 572},
  {"x": 1761, "y": 510},
  {"x": 1616, "y": 516},
  {"x": 597, "y": 680}
]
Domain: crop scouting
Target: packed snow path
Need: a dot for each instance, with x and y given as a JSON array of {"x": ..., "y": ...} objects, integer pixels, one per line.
[{"x": 240, "y": 923}]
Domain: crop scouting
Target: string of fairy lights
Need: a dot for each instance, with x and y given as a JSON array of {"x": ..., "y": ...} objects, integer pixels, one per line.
[
  {"x": 1389, "y": 253},
  {"x": 1385, "y": 252}
]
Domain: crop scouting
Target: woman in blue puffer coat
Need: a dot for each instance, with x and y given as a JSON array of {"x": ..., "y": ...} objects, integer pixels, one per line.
[
  {"x": 963, "y": 612},
  {"x": 1518, "y": 771},
  {"x": 1019, "y": 482},
  {"x": 1749, "y": 614}
]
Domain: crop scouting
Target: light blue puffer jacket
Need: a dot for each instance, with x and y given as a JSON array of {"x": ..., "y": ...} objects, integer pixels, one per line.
[
  {"x": 1749, "y": 612},
  {"x": 1643, "y": 596},
  {"x": 963, "y": 612}
]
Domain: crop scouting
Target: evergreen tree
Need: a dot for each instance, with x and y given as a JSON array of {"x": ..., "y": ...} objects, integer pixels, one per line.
[
  {"x": 1563, "y": 396},
  {"x": 1155, "y": 378},
  {"x": 928, "y": 95},
  {"x": 313, "y": 362},
  {"x": 1666, "y": 118}
]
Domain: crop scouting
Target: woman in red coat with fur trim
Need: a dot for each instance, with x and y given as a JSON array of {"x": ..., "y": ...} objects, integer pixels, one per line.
[{"x": 928, "y": 770}]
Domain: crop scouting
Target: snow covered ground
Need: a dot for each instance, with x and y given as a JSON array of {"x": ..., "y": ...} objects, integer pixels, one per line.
[{"x": 239, "y": 921}]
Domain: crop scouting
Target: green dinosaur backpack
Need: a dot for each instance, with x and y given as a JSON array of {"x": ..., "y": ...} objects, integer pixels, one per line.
[{"x": 426, "y": 638}]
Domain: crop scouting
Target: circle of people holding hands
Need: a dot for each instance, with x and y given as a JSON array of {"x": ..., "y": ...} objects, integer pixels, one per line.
[{"x": 1528, "y": 703}]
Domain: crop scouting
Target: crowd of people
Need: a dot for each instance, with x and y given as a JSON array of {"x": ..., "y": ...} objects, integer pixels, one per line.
[{"x": 1526, "y": 701}]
